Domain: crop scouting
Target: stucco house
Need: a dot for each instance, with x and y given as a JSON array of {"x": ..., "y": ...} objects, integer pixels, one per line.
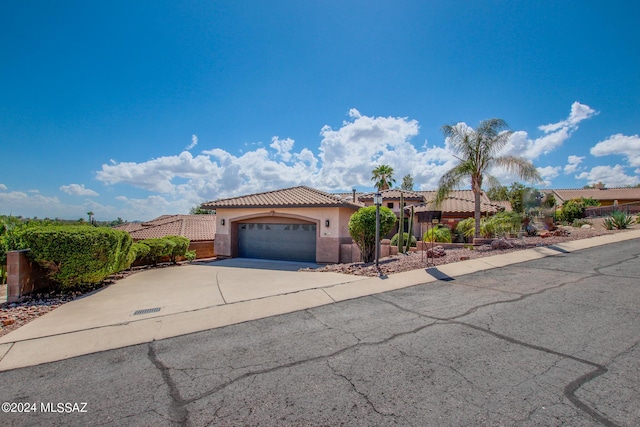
[
  {"x": 295, "y": 224},
  {"x": 305, "y": 224}
]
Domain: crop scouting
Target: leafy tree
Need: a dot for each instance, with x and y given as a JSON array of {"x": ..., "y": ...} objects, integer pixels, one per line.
[
  {"x": 383, "y": 177},
  {"x": 498, "y": 193},
  {"x": 407, "y": 183},
  {"x": 362, "y": 228},
  {"x": 477, "y": 152},
  {"x": 197, "y": 210}
]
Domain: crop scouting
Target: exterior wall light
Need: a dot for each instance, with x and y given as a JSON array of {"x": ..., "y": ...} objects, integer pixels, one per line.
[
  {"x": 326, "y": 223},
  {"x": 222, "y": 221}
]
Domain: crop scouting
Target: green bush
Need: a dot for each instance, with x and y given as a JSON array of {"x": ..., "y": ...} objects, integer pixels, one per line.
[
  {"x": 158, "y": 248},
  {"x": 501, "y": 224},
  {"x": 138, "y": 252},
  {"x": 76, "y": 255},
  {"x": 574, "y": 209},
  {"x": 618, "y": 220},
  {"x": 394, "y": 239},
  {"x": 466, "y": 228},
  {"x": 180, "y": 248},
  {"x": 439, "y": 233},
  {"x": 362, "y": 228},
  {"x": 190, "y": 255}
]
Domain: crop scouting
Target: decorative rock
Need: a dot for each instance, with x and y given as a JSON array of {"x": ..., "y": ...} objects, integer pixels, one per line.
[
  {"x": 7, "y": 322},
  {"x": 585, "y": 226},
  {"x": 436, "y": 252},
  {"x": 501, "y": 244}
]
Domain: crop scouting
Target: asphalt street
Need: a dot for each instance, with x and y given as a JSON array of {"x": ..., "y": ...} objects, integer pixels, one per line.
[{"x": 550, "y": 342}]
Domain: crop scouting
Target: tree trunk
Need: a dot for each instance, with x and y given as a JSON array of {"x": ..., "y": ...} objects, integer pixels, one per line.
[{"x": 477, "y": 212}]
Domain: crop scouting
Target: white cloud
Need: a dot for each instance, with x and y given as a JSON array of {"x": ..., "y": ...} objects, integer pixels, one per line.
[
  {"x": 555, "y": 134},
  {"x": 31, "y": 205},
  {"x": 194, "y": 142},
  {"x": 612, "y": 176},
  {"x": 573, "y": 162},
  {"x": 619, "y": 144},
  {"x": 548, "y": 173},
  {"x": 347, "y": 156},
  {"x": 3, "y": 187},
  {"x": 78, "y": 190},
  {"x": 579, "y": 112},
  {"x": 283, "y": 147}
]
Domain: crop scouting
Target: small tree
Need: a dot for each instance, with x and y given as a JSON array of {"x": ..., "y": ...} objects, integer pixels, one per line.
[
  {"x": 362, "y": 228},
  {"x": 407, "y": 183}
]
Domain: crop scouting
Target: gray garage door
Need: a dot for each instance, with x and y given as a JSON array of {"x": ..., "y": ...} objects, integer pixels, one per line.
[{"x": 291, "y": 242}]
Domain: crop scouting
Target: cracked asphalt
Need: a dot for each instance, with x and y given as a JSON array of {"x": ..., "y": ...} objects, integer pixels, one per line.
[{"x": 550, "y": 342}]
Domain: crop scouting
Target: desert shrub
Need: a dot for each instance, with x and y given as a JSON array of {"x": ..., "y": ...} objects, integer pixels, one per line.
[
  {"x": 618, "y": 220},
  {"x": 501, "y": 224},
  {"x": 579, "y": 222},
  {"x": 466, "y": 227},
  {"x": 439, "y": 233},
  {"x": 362, "y": 228},
  {"x": 76, "y": 255},
  {"x": 394, "y": 239},
  {"x": 574, "y": 209}
]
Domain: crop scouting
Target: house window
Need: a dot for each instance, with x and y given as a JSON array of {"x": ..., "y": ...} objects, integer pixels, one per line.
[{"x": 390, "y": 205}]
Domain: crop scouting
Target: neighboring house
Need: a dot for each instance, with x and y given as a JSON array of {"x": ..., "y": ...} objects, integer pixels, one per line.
[
  {"x": 458, "y": 206},
  {"x": 296, "y": 224},
  {"x": 606, "y": 196},
  {"x": 199, "y": 229}
]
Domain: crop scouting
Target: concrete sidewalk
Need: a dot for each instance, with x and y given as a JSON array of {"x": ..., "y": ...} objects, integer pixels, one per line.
[{"x": 170, "y": 302}]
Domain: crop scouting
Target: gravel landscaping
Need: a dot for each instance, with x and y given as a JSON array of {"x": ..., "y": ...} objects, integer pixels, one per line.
[{"x": 14, "y": 315}]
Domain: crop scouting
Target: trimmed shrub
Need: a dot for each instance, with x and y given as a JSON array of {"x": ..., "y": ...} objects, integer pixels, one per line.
[
  {"x": 77, "y": 255},
  {"x": 190, "y": 255},
  {"x": 439, "y": 233},
  {"x": 180, "y": 248},
  {"x": 158, "y": 248},
  {"x": 138, "y": 252},
  {"x": 362, "y": 228},
  {"x": 394, "y": 239}
]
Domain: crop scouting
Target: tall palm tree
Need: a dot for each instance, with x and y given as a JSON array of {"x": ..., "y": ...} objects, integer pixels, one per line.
[
  {"x": 477, "y": 152},
  {"x": 383, "y": 177}
]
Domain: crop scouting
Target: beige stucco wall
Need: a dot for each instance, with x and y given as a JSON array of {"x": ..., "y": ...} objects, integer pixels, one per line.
[{"x": 328, "y": 238}]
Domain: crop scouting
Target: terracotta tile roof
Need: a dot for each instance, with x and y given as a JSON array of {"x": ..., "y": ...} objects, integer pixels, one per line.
[
  {"x": 609, "y": 194},
  {"x": 294, "y": 197},
  {"x": 393, "y": 194},
  {"x": 461, "y": 194},
  {"x": 459, "y": 205},
  {"x": 193, "y": 227}
]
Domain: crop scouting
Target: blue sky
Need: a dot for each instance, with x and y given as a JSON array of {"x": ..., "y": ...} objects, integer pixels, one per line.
[{"x": 135, "y": 109}]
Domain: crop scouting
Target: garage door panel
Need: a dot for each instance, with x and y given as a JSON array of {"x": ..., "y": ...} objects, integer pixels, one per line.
[{"x": 293, "y": 242}]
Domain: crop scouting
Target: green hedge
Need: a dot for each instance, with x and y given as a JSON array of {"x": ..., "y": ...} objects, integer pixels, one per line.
[{"x": 77, "y": 255}]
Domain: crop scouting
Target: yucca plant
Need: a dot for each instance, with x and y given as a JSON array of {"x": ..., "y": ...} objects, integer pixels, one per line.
[{"x": 618, "y": 220}]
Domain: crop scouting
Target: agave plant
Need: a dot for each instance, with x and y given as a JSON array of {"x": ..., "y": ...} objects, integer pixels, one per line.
[{"x": 618, "y": 220}]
